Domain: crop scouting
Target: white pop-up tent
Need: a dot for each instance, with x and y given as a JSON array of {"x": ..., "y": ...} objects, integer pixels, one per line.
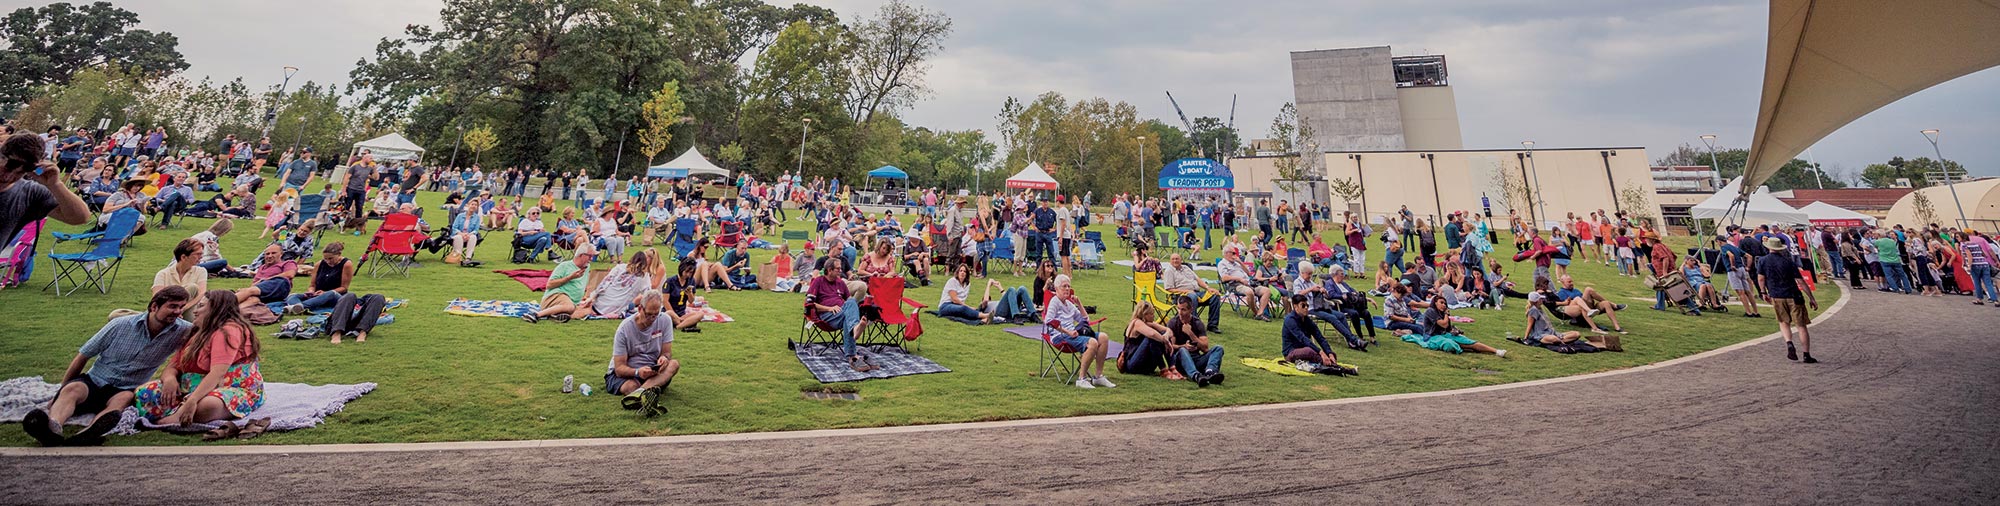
[
  {"x": 389, "y": 147},
  {"x": 1032, "y": 178},
  {"x": 1823, "y": 213},
  {"x": 1734, "y": 205},
  {"x": 690, "y": 163}
]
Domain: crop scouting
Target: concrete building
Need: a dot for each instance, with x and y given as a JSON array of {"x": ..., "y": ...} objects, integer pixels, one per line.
[
  {"x": 1678, "y": 188},
  {"x": 1364, "y": 99},
  {"x": 1436, "y": 182}
]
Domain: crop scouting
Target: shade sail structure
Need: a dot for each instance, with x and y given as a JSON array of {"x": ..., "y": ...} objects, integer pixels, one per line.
[
  {"x": 1732, "y": 205},
  {"x": 1032, "y": 178},
  {"x": 1822, "y": 213},
  {"x": 690, "y": 163},
  {"x": 390, "y": 147},
  {"x": 1830, "y": 62},
  {"x": 889, "y": 172}
]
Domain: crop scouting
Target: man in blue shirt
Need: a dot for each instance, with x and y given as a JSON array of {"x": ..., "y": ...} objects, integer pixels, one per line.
[
  {"x": 1789, "y": 296},
  {"x": 1736, "y": 262},
  {"x": 71, "y": 150},
  {"x": 127, "y": 350}
]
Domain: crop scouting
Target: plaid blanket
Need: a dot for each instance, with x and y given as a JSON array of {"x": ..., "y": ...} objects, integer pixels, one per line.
[
  {"x": 514, "y": 309},
  {"x": 828, "y": 366}
]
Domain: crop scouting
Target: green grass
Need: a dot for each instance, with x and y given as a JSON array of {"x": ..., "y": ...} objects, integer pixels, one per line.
[{"x": 454, "y": 378}]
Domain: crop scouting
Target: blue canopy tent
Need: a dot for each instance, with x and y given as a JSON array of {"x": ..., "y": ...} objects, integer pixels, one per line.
[
  {"x": 889, "y": 172},
  {"x": 1196, "y": 176},
  {"x": 889, "y": 192}
]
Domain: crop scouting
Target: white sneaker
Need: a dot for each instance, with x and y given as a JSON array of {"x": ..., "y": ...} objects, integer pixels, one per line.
[
  {"x": 1500, "y": 353},
  {"x": 1592, "y": 312},
  {"x": 1084, "y": 383},
  {"x": 1100, "y": 381}
]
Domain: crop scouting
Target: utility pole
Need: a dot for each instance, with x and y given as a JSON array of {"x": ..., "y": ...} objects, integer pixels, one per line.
[
  {"x": 1539, "y": 199},
  {"x": 805, "y": 125},
  {"x": 1142, "y": 166},
  {"x": 1933, "y": 135}
]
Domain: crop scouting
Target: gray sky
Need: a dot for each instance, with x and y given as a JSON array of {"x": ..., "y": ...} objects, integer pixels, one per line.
[{"x": 1560, "y": 72}]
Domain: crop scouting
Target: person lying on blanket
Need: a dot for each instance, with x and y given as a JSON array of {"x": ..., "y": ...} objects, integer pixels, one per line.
[
  {"x": 565, "y": 287},
  {"x": 1585, "y": 303},
  {"x": 127, "y": 351},
  {"x": 1302, "y": 342},
  {"x": 1541, "y": 333},
  {"x": 642, "y": 356},
  {"x": 958, "y": 289},
  {"x": 1437, "y": 326},
  {"x": 214, "y": 376}
]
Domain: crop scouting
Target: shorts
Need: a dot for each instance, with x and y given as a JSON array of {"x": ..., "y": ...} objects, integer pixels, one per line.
[
  {"x": 273, "y": 290},
  {"x": 1791, "y": 311},
  {"x": 125, "y": 152},
  {"x": 1739, "y": 281},
  {"x": 612, "y": 382},
  {"x": 98, "y": 396},
  {"x": 1072, "y": 344},
  {"x": 1590, "y": 242}
]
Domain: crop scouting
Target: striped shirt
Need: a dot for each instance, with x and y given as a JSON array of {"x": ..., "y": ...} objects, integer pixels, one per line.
[{"x": 127, "y": 354}]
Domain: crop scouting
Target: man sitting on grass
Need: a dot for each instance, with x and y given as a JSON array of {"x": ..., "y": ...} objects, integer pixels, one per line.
[
  {"x": 1582, "y": 304},
  {"x": 565, "y": 288},
  {"x": 128, "y": 350},
  {"x": 1541, "y": 333},
  {"x": 1302, "y": 342},
  {"x": 642, "y": 356}
]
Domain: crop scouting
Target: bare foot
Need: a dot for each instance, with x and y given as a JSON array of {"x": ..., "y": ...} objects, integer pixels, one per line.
[
  {"x": 361, "y": 337},
  {"x": 336, "y": 338}
]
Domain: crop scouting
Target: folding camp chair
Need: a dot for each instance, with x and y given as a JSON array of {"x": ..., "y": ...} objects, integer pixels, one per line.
[
  {"x": 99, "y": 265},
  {"x": 1003, "y": 249},
  {"x": 1088, "y": 256},
  {"x": 812, "y": 330},
  {"x": 685, "y": 232},
  {"x": 1061, "y": 357},
  {"x": 1146, "y": 288},
  {"x": 1292, "y": 258},
  {"x": 311, "y": 206},
  {"x": 394, "y": 245},
  {"x": 17, "y": 257},
  {"x": 1097, "y": 238},
  {"x": 732, "y": 233},
  {"x": 888, "y": 323},
  {"x": 796, "y": 235}
]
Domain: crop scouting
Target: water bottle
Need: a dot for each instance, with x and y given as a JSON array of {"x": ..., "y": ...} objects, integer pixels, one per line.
[{"x": 585, "y": 388}]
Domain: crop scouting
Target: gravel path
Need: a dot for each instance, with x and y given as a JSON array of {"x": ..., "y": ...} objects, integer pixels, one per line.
[{"x": 1902, "y": 410}]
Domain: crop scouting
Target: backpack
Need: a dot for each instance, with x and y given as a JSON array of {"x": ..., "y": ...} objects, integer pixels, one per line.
[{"x": 521, "y": 256}]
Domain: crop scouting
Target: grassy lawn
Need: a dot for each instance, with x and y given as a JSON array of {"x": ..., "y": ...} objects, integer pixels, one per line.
[{"x": 454, "y": 378}]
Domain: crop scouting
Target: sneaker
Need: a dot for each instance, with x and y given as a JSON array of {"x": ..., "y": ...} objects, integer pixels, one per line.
[
  {"x": 1809, "y": 359},
  {"x": 649, "y": 402},
  {"x": 859, "y": 365},
  {"x": 530, "y": 318},
  {"x": 38, "y": 426},
  {"x": 1618, "y": 307},
  {"x": 295, "y": 309},
  {"x": 1200, "y": 380},
  {"x": 93, "y": 435},
  {"x": 569, "y": 384},
  {"x": 1215, "y": 378},
  {"x": 1590, "y": 313},
  {"x": 632, "y": 401},
  {"x": 1084, "y": 383},
  {"x": 1349, "y": 370},
  {"x": 1102, "y": 382},
  {"x": 1791, "y": 353},
  {"x": 1500, "y": 353}
]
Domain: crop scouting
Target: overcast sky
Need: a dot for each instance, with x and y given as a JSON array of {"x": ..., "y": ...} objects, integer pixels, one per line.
[{"x": 1561, "y": 72}]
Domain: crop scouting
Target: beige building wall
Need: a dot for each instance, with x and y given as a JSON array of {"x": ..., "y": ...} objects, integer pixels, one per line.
[
  {"x": 1981, "y": 200},
  {"x": 1572, "y": 180},
  {"x": 1430, "y": 118}
]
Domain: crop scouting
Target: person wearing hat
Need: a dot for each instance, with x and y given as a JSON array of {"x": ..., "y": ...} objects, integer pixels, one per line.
[
  {"x": 1789, "y": 296},
  {"x": 128, "y": 195}
]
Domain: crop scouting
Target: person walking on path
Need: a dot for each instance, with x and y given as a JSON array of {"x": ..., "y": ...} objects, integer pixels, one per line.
[{"x": 1786, "y": 290}]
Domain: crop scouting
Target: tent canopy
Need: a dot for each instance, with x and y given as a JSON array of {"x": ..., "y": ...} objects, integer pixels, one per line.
[
  {"x": 390, "y": 147},
  {"x": 1822, "y": 213},
  {"x": 1759, "y": 206},
  {"x": 889, "y": 172},
  {"x": 1830, "y": 62},
  {"x": 1032, "y": 178},
  {"x": 690, "y": 163}
]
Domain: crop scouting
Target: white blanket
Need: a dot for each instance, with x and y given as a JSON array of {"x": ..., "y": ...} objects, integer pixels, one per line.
[{"x": 290, "y": 406}]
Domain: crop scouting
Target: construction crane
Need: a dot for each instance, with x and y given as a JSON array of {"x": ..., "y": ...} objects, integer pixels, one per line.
[
  {"x": 1190, "y": 125},
  {"x": 1184, "y": 120}
]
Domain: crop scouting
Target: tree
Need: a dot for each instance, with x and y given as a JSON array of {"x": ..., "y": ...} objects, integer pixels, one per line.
[
  {"x": 1215, "y": 140},
  {"x": 1091, "y": 141},
  {"x": 1345, "y": 188},
  {"x": 1924, "y": 211},
  {"x": 1795, "y": 174},
  {"x": 479, "y": 140},
  {"x": 1173, "y": 143},
  {"x": 661, "y": 112},
  {"x": 1295, "y": 138},
  {"x": 1884, "y": 175},
  {"x": 731, "y": 155},
  {"x": 1636, "y": 202},
  {"x": 891, "y": 55},
  {"x": 801, "y": 76},
  {"x": 47, "y": 45}
]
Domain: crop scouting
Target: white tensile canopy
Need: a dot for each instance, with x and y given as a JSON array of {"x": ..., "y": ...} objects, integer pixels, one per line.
[
  {"x": 1758, "y": 207},
  {"x": 390, "y": 147},
  {"x": 1830, "y": 62},
  {"x": 1823, "y": 213},
  {"x": 690, "y": 163},
  {"x": 1032, "y": 178}
]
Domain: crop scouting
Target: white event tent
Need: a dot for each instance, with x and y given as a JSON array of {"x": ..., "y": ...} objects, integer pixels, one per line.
[
  {"x": 389, "y": 147},
  {"x": 690, "y": 163},
  {"x": 1758, "y": 207},
  {"x": 1032, "y": 178}
]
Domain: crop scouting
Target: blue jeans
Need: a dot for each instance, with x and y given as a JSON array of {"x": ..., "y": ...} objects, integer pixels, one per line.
[
  {"x": 324, "y": 300},
  {"x": 846, "y": 319},
  {"x": 1897, "y": 279},
  {"x": 1214, "y": 305},
  {"x": 539, "y": 242},
  {"x": 214, "y": 266},
  {"x": 1208, "y": 362},
  {"x": 1394, "y": 325},
  {"x": 956, "y": 310},
  {"x": 1339, "y": 321},
  {"x": 1016, "y": 302},
  {"x": 1048, "y": 242},
  {"x": 1982, "y": 283}
]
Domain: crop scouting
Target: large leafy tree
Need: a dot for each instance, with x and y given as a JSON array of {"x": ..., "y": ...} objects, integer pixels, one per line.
[
  {"x": 47, "y": 45},
  {"x": 801, "y": 76},
  {"x": 1795, "y": 174},
  {"x": 1092, "y": 142},
  {"x": 1214, "y": 139},
  {"x": 1884, "y": 175}
]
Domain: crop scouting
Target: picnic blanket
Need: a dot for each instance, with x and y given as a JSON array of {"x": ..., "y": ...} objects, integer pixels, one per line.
[
  {"x": 828, "y": 365},
  {"x": 1034, "y": 333},
  {"x": 536, "y": 279},
  {"x": 1279, "y": 366},
  {"x": 1447, "y": 342},
  {"x": 514, "y": 309},
  {"x": 290, "y": 406}
]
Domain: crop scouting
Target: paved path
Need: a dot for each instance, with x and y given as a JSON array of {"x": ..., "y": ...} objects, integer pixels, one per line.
[{"x": 1905, "y": 409}]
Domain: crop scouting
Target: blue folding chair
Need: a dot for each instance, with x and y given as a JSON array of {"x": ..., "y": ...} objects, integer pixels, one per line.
[
  {"x": 1095, "y": 237},
  {"x": 99, "y": 265},
  {"x": 685, "y": 230},
  {"x": 1003, "y": 249},
  {"x": 1088, "y": 256},
  {"x": 1292, "y": 258},
  {"x": 311, "y": 206}
]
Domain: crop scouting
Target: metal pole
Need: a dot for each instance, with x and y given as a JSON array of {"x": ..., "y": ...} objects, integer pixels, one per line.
[
  {"x": 301, "y": 138},
  {"x": 1817, "y": 181},
  {"x": 1142, "y": 167},
  {"x": 1933, "y": 135},
  {"x": 1361, "y": 179},
  {"x": 618, "y": 159},
  {"x": 1607, "y": 154},
  {"x": 1713, "y": 165},
  {"x": 1521, "y": 159},
  {"x": 271, "y": 113},
  {"x": 1436, "y": 196},
  {"x": 454, "y": 147},
  {"x": 805, "y": 124},
  {"x": 1540, "y": 198}
]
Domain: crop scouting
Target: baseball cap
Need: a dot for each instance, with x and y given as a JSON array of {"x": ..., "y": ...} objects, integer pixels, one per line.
[{"x": 1534, "y": 297}]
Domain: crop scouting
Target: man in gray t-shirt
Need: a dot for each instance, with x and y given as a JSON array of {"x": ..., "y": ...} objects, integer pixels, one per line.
[
  {"x": 357, "y": 184},
  {"x": 642, "y": 355}
]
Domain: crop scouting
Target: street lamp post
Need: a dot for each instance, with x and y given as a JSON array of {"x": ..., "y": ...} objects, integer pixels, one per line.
[
  {"x": 454, "y": 145},
  {"x": 271, "y": 113},
  {"x": 1142, "y": 166},
  {"x": 1933, "y": 135},
  {"x": 1713, "y": 165},
  {"x": 805, "y": 124},
  {"x": 1541, "y": 202}
]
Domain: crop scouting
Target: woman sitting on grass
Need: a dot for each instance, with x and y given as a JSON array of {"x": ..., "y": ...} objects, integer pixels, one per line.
[
  {"x": 1440, "y": 334},
  {"x": 706, "y": 273},
  {"x": 1541, "y": 333},
  {"x": 614, "y": 294},
  {"x": 1385, "y": 280},
  {"x": 214, "y": 376},
  {"x": 1146, "y": 344},
  {"x": 953, "y": 304}
]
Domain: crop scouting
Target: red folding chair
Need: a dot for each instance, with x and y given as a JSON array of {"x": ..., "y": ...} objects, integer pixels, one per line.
[
  {"x": 888, "y": 323},
  {"x": 396, "y": 244}
]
